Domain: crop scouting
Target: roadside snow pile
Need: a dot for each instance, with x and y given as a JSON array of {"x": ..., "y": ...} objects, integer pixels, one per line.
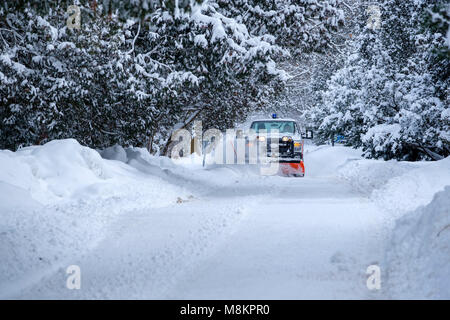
[
  {"x": 53, "y": 171},
  {"x": 415, "y": 187},
  {"x": 418, "y": 259},
  {"x": 325, "y": 161},
  {"x": 367, "y": 175},
  {"x": 183, "y": 171},
  {"x": 398, "y": 186},
  {"x": 56, "y": 201},
  {"x": 416, "y": 197},
  {"x": 115, "y": 152}
]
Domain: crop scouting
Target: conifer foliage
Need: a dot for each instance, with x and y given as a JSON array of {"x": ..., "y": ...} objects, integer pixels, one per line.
[
  {"x": 136, "y": 70},
  {"x": 391, "y": 95},
  {"x": 131, "y": 73}
]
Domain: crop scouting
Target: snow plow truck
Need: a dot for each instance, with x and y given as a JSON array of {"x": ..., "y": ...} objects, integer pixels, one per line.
[{"x": 290, "y": 136}]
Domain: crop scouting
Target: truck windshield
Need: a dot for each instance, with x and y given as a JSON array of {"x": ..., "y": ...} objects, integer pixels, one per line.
[{"x": 281, "y": 126}]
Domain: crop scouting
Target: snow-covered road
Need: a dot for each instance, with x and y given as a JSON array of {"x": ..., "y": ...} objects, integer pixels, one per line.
[
  {"x": 309, "y": 238},
  {"x": 152, "y": 229},
  {"x": 249, "y": 237}
]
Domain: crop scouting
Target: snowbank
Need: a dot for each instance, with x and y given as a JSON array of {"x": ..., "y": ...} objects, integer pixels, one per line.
[
  {"x": 415, "y": 187},
  {"x": 416, "y": 197},
  {"x": 369, "y": 175},
  {"x": 395, "y": 186},
  {"x": 418, "y": 258},
  {"x": 56, "y": 201},
  {"x": 53, "y": 171},
  {"x": 188, "y": 171},
  {"x": 398, "y": 186},
  {"x": 325, "y": 161}
]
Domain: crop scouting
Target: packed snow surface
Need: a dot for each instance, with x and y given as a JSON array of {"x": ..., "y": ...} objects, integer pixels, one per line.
[{"x": 140, "y": 226}]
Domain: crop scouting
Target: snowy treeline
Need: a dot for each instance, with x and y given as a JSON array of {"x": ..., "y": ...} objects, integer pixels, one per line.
[
  {"x": 135, "y": 70},
  {"x": 391, "y": 95}
]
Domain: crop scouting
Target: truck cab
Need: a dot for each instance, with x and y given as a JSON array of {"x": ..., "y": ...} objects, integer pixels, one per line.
[{"x": 290, "y": 138}]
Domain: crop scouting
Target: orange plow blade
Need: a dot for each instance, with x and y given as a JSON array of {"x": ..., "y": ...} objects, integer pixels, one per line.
[{"x": 292, "y": 169}]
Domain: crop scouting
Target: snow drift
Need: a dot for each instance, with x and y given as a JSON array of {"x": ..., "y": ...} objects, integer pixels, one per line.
[
  {"x": 419, "y": 254},
  {"x": 417, "y": 198},
  {"x": 397, "y": 186},
  {"x": 56, "y": 201}
]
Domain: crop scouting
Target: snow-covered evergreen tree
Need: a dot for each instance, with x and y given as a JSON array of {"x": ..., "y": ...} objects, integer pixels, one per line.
[
  {"x": 391, "y": 97},
  {"x": 310, "y": 70},
  {"x": 301, "y": 25},
  {"x": 126, "y": 81},
  {"x": 53, "y": 78}
]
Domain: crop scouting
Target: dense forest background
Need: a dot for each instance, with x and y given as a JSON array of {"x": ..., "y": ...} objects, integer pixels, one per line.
[{"x": 133, "y": 71}]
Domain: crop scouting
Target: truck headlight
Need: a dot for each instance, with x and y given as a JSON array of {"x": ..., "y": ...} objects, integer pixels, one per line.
[{"x": 262, "y": 138}]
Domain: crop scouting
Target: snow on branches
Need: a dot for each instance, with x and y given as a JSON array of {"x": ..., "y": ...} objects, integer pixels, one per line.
[
  {"x": 391, "y": 96},
  {"x": 126, "y": 81}
]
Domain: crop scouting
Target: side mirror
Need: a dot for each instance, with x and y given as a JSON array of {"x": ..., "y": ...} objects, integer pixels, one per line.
[{"x": 308, "y": 134}]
